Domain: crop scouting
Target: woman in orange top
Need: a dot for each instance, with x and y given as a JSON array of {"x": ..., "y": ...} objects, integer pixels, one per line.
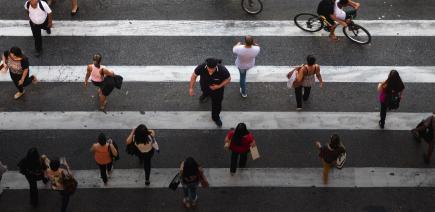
[{"x": 102, "y": 155}]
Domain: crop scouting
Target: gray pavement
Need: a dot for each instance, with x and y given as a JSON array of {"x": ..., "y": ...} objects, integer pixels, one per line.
[
  {"x": 279, "y": 148},
  {"x": 234, "y": 199},
  {"x": 155, "y": 50},
  {"x": 173, "y": 96}
]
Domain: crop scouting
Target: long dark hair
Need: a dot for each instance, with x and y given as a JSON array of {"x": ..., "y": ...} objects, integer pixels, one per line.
[
  {"x": 33, "y": 159},
  {"x": 16, "y": 51},
  {"x": 190, "y": 167},
  {"x": 141, "y": 134},
  {"x": 240, "y": 132},
  {"x": 394, "y": 83},
  {"x": 335, "y": 143}
]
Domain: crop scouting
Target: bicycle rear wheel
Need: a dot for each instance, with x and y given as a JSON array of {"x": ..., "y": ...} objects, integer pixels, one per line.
[
  {"x": 252, "y": 7},
  {"x": 357, "y": 34},
  {"x": 308, "y": 22}
]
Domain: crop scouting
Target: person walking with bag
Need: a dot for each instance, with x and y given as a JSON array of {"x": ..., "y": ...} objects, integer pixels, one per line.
[
  {"x": 103, "y": 157},
  {"x": 390, "y": 94},
  {"x": 18, "y": 66},
  {"x": 56, "y": 173},
  {"x": 191, "y": 175},
  {"x": 102, "y": 78},
  {"x": 33, "y": 167},
  {"x": 305, "y": 80},
  {"x": 40, "y": 17},
  {"x": 425, "y": 130},
  {"x": 239, "y": 141},
  {"x": 142, "y": 143},
  {"x": 245, "y": 60},
  {"x": 329, "y": 154}
]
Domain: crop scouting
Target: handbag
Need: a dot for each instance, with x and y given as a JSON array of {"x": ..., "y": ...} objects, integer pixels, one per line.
[
  {"x": 173, "y": 185},
  {"x": 69, "y": 183},
  {"x": 113, "y": 156},
  {"x": 131, "y": 148},
  {"x": 341, "y": 159},
  {"x": 118, "y": 81},
  {"x": 292, "y": 78},
  {"x": 254, "y": 152}
]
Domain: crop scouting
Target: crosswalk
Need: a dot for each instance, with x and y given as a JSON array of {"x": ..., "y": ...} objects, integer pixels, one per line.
[{"x": 156, "y": 59}]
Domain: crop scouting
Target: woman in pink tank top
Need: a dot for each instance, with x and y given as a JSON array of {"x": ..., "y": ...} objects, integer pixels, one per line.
[{"x": 102, "y": 78}]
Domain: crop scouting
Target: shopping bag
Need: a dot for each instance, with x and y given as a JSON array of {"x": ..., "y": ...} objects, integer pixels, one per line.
[{"x": 254, "y": 153}]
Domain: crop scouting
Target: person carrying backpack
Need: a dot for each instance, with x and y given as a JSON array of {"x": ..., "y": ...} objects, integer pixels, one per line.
[
  {"x": 60, "y": 177},
  {"x": 40, "y": 17},
  {"x": 330, "y": 155},
  {"x": 192, "y": 174},
  {"x": 390, "y": 94},
  {"x": 425, "y": 131}
]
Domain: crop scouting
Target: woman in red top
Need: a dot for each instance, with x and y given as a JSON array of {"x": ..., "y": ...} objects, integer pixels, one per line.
[{"x": 239, "y": 142}]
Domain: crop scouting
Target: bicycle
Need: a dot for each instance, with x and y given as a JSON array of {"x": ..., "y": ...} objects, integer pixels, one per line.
[
  {"x": 314, "y": 23},
  {"x": 252, "y": 7}
]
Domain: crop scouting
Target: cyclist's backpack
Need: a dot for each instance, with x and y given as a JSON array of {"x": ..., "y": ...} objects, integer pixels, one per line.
[
  {"x": 393, "y": 100},
  {"x": 40, "y": 5}
]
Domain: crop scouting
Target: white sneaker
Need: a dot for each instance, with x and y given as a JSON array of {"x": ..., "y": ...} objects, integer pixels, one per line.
[
  {"x": 18, "y": 95},
  {"x": 243, "y": 95}
]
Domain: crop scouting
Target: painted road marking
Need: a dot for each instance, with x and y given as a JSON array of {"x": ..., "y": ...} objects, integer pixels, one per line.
[
  {"x": 79, "y": 120},
  {"x": 209, "y": 28},
  {"x": 364, "y": 74},
  {"x": 251, "y": 177}
]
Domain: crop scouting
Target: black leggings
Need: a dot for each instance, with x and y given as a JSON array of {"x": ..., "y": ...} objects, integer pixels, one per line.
[
  {"x": 235, "y": 158},
  {"x": 298, "y": 93},
  {"x": 103, "y": 171},
  {"x": 383, "y": 113},
  {"x": 146, "y": 158},
  {"x": 17, "y": 77}
]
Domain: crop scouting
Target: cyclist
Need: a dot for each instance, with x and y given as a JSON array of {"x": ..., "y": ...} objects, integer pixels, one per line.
[{"x": 333, "y": 12}]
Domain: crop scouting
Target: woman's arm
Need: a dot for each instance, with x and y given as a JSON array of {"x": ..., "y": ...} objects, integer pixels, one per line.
[{"x": 130, "y": 137}]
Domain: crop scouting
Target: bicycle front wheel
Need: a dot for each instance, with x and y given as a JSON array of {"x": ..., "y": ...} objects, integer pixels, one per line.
[
  {"x": 252, "y": 7},
  {"x": 308, "y": 22},
  {"x": 357, "y": 34}
]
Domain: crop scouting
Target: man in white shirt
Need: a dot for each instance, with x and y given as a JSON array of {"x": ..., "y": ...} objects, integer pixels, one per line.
[
  {"x": 245, "y": 60},
  {"x": 40, "y": 17}
]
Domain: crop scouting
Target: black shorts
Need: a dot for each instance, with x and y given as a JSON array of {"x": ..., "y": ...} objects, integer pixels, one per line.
[{"x": 106, "y": 86}]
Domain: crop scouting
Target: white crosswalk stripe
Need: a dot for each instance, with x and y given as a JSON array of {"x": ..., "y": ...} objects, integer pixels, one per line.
[
  {"x": 210, "y": 28},
  {"x": 366, "y": 74},
  {"x": 249, "y": 177},
  {"x": 201, "y": 120}
]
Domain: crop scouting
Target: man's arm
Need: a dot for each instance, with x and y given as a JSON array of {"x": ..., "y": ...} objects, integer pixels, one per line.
[{"x": 192, "y": 84}]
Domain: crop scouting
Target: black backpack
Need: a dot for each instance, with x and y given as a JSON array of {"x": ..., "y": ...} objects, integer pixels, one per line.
[
  {"x": 40, "y": 5},
  {"x": 393, "y": 100}
]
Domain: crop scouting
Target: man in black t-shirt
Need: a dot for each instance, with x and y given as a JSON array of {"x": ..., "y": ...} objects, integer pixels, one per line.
[{"x": 213, "y": 78}]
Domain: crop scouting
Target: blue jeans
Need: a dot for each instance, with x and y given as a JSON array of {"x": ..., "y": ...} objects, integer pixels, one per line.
[
  {"x": 243, "y": 79},
  {"x": 190, "y": 191}
]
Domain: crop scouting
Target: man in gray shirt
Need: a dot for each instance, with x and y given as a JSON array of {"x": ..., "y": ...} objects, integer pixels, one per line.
[{"x": 245, "y": 60}]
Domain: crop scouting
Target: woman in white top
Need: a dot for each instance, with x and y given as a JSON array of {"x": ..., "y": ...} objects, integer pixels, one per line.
[
  {"x": 102, "y": 78},
  {"x": 143, "y": 139}
]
